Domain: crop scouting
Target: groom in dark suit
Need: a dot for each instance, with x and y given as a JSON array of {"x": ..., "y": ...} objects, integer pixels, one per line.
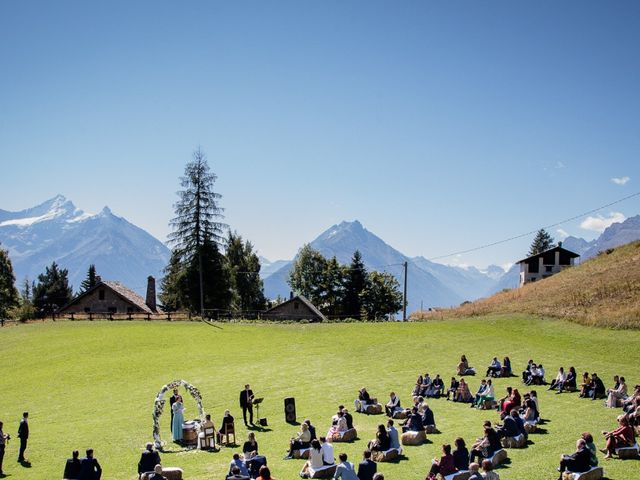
[
  {"x": 172, "y": 400},
  {"x": 246, "y": 402},
  {"x": 23, "y": 434}
]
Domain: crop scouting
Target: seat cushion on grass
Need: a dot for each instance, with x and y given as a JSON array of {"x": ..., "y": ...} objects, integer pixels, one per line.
[
  {"x": 400, "y": 414},
  {"x": 461, "y": 475},
  {"x": 324, "y": 472},
  {"x": 171, "y": 473},
  {"x": 629, "y": 452},
  {"x": 413, "y": 438},
  {"x": 387, "y": 455},
  {"x": 303, "y": 453},
  {"x": 530, "y": 427},
  {"x": 347, "y": 436},
  {"x": 373, "y": 409},
  {"x": 431, "y": 429},
  {"x": 514, "y": 442},
  {"x": 498, "y": 457},
  {"x": 596, "y": 473},
  {"x": 488, "y": 404}
]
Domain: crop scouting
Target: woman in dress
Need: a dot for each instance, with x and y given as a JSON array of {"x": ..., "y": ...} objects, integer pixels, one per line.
[
  {"x": 178, "y": 419},
  {"x": 444, "y": 465},
  {"x": 250, "y": 447},
  {"x": 315, "y": 461},
  {"x": 382, "y": 442},
  {"x": 618, "y": 394},
  {"x": 339, "y": 427},
  {"x": 463, "y": 394}
]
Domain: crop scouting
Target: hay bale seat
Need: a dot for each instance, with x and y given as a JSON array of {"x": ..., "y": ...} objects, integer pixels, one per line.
[
  {"x": 461, "y": 475},
  {"x": 488, "y": 405},
  {"x": 171, "y": 473},
  {"x": 373, "y": 409},
  {"x": 530, "y": 427},
  {"x": 628, "y": 452},
  {"x": 596, "y": 473},
  {"x": 399, "y": 414},
  {"x": 414, "y": 438},
  {"x": 302, "y": 453},
  {"x": 326, "y": 471},
  {"x": 498, "y": 457},
  {"x": 347, "y": 436},
  {"x": 387, "y": 455},
  {"x": 514, "y": 442},
  {"x": 431, "y": 429}
]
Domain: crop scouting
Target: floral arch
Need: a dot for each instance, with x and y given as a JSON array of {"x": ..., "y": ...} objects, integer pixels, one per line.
[{"x": 159, "y": 403}]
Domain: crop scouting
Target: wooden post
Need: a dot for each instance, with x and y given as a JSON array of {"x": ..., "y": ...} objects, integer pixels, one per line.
[{"x": 90, "y": 316}]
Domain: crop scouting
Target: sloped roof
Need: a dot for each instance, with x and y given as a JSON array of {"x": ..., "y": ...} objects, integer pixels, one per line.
[
  {"x": 557, "y": 247},
  {"x": 302, "y": 299},
  {"x": 119, "y": 289}
]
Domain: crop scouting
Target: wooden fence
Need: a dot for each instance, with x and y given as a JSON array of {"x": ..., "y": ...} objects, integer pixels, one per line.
[{"x": 167, "y": 316}]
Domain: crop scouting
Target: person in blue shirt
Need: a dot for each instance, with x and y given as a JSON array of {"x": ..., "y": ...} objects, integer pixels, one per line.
[{"x": 346, "y": 470}]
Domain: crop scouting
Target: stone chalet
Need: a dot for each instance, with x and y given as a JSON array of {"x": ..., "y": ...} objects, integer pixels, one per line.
[
  {"x": 297, "y": 308},
  {"x": 113, "y": 297},
  {"x": 545, "y": 264}
]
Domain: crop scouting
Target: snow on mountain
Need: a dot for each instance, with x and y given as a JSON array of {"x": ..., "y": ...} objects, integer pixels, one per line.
[
  {"x": 267, "y": 267},
  {"x": 615, "y": 235},
  {"x": 57, "y": 230}
]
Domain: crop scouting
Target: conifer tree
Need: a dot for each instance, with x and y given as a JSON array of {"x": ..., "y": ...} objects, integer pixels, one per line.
[
  {"x": 244, "y": 268},
  {"x": 355, "y": 283},
  {"x": 542, "y": 241},
  {"x": 89, "y": 282},
  {"x": 8, "y": 293},
  {"x": 52, "y": 291}
]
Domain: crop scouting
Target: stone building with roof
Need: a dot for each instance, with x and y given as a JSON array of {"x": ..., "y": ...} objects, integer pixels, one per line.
[
  {"x": 296, "y": 308},
  {"x": 113, "y": 297}
]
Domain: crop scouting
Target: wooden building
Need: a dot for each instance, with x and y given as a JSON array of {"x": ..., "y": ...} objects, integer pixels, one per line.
[
  {"x": 296, "y": 308},
  {"x": 113, "y": 297},
  {"x": 545, "y": 264}
]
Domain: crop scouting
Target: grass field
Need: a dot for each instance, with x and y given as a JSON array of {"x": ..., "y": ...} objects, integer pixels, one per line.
[{"x": 93, "y": 385}]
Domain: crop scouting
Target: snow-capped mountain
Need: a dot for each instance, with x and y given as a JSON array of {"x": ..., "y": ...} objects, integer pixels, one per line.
[{"x": 57, "y": 230}]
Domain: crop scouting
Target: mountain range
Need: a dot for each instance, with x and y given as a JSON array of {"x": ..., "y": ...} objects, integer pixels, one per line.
[{"x": 57, "y": 230}]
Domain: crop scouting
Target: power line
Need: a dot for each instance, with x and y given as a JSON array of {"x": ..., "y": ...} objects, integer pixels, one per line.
[{"x": 481, "y": 247}]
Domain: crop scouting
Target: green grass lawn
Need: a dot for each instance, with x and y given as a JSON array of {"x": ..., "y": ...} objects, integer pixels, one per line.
[{"x": 93, "y": 385}]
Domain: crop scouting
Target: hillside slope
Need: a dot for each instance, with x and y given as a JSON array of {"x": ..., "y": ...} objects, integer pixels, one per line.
[{"x": 603, "y": 291}]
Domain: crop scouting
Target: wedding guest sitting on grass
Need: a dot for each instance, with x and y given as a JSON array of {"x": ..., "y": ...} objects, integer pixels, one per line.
[
  {"x": 616, "y": 395},
  {"x": 588, "y": 439},
  {"x": 537, "y": 375},
  {"x": 487, "y": 395},
  {"x": 340, "y": 426},
  {"x": 250, "y": 447},
  {"x": 464, "y": 368},
  {"x": 494, "y": 368},
  {"x": 438, "y": 384},
  {"x": 327, "y": 452},
  {"x": 414, "y": 422},
  {"x": 526, "y": 374},
  {"x": 148, "y": 460},
  {"x": 444, "y": 465},
  {"x": 367, "y": 468},
  {"x": 157, "y": 473},
  {"x": 578, "y": 462},
  {"x": 621, "y": 437},
  {"x": 264, "y": 473},
  {"x": 486, "y": 446},
  {"x": 453, "y": 388},
  {"x": 345, "y": 470},
  {"x": 502, "y": 401},
  {"x": 237, "y": 463},
  {"x": 235, "y": 474},
  {"x": 461, "y": 455},
  {"x": 394, "y": 440},
  {"x": 514, "y": 401},
  {"x": 479, "y": 393},
  {"x": 392, "y": 405},
  {"x": 463, "y": 394},
  {"x": 585, "y": 385},
  {"x": 428, "y": 417},
  {"x": 382, "y": 442},
  {"x": 487, "y": 471},
  {"x": 557, "y": 382},
  {"x": 596, "y": 389},
  {"x": 302, "y": 439},
  {"x": 506, "y": 367},
  {"x": 474, "y": 469},
  {"x": 315, "y": 461},
  {"x": 363, "y": 400}
]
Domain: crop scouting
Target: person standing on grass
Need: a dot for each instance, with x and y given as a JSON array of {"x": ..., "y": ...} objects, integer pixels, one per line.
[
  {"x": 23, "y": 434},
  {"x": 246, "y": 403},
  {"x": 90, "y": 469},
  {"x": 3, "y": 442},
  {"x": 172, "y": 400}
]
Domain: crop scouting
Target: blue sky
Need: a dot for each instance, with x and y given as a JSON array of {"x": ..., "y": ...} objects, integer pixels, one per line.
[{"x": 439, "y": 125}]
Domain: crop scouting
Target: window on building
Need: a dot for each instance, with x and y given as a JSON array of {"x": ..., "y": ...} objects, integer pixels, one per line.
[
  {"x": 129, "y": 309},
  {"x": 87, "y": 309},
  {"x": 113, "y": 310},
  {"x": 548, "y": 268},
  {"x": 101, "y": 294},
  {"x": 296, "y": 305}
]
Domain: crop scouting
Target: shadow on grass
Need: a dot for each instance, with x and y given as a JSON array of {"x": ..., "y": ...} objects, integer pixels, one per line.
[
  {"x": 258, "y": 428},
  {"x": 540, "y": 431},
  {"x": 25, "y": 464},
  {"x": 398, "y": 459},
  {"x": 505, "y": 464}
]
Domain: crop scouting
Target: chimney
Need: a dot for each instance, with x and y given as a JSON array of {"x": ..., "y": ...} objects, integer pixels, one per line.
[
  {"x": 151, "y": 293},
  {"x": 290, "y": 294},
  {"x": 560, "y": 244},
  {"x": 98, "y": 279}
]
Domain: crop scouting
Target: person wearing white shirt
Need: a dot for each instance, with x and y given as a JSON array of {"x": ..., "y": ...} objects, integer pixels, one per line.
[
  {"x": 327, "y": 452},
  {"x": 559, "y": 380},
  {"x": 394, "y": 441},
  {"x": 494, "y": 368},
  {"x": 392, "y": 405}
]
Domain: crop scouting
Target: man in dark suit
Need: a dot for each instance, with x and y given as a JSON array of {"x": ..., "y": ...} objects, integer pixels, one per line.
[
  {"x": 23, "y": 434},
  {"x": 89, "y": 467},
  {"x": 3, "y": 442},
  {"x": 72, "y": 467},
  {"x": 577, "y": 462},
  {"x": 347, "y": 416},
  {"x": 367, "y": 468},
  {"x": 172, "y": 400},
  {"x": 246, "y": 402},
  {"x": 148, "y": 460}
]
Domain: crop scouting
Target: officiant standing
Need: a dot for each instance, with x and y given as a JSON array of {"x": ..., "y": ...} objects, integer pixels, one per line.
[
  {"x": 246, "y": 402},
  {"x": 178, "y": 419}
]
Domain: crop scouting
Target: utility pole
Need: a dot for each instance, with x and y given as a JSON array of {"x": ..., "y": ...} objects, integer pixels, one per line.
[{"x": 404, "y": 295}]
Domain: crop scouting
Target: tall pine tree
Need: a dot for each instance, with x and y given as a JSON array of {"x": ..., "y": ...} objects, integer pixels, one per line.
[
  {"x": 542, "y": 241},
  {"x": 52, "y": 291},
  {"x": 89, "y": 282},
  {"x": 8, "y": 293},
  {"x": 197, "y": 236},
  {"x": 355, "y": 283}
]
